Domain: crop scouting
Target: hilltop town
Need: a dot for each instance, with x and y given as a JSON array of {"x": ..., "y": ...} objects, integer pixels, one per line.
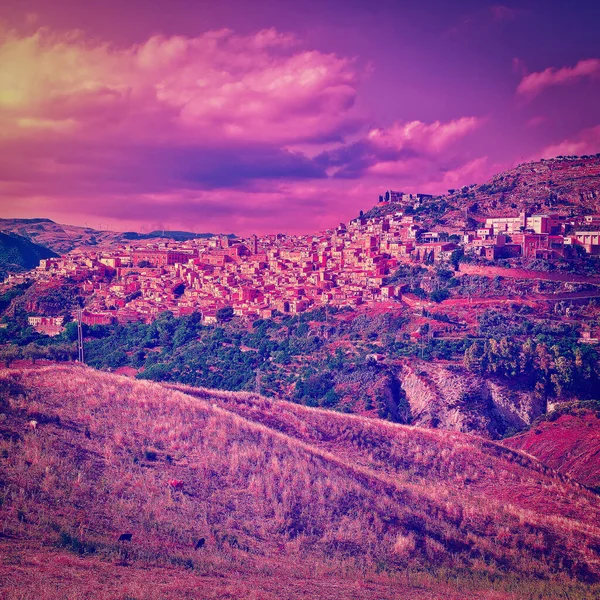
[{"x": 351, "y": 265}]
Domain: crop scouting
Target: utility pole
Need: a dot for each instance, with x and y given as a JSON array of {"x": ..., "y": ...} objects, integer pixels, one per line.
[{"x": 80, "y": 335}]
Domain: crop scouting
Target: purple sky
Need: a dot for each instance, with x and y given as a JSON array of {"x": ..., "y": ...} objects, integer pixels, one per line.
[{"x": 262, "y": 116}]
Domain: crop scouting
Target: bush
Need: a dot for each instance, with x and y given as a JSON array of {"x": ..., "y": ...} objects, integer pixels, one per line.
[
  {"x": 439, "y": 295},
  {"x": 74, "y": 544}
]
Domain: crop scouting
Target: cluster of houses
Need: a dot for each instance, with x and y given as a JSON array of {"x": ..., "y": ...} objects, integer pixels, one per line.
[
  {"x": 545, "y": 236},
  {"x": 345, "y": 266}
]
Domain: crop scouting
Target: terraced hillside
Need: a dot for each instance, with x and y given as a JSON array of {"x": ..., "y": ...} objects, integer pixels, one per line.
[{"x": 291, "y": 501}]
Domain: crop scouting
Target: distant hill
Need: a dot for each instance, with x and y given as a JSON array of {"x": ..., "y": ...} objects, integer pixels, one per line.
[
  {"x": 58, "y": 238},
  {"x": 290, "y": 501},
  {"x": 64, "y": 238},
  {"x": 179, "y": 236},
  {"x": 19, "y": 254}
]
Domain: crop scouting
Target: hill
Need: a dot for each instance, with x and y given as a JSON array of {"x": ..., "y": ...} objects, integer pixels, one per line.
[
  {"x": 568, "y": 440},
  {"x": 292, "y": 502},
  {"x": 19, "y": 254},
  {"x": 559, "y": 184},
  {"x": 58, "y": 238},
  {"x": 64, "y": 238}
]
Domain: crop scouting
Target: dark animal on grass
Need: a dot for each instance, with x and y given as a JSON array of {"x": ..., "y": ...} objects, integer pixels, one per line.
[
  {"x": 199, "y": 544},
  {"x": 125, "y": 537}
]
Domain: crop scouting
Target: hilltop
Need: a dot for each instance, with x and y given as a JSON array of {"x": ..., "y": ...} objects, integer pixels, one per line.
[
  {"x": 19, "y": 254},
  {"x": 291, "y": 501},
  {"x": 560, "y": 184}
]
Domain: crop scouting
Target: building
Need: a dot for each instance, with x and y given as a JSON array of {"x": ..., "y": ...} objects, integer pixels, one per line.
[
  {"x": 47, "y": 325},
  {"x": 159, "y": 258}
]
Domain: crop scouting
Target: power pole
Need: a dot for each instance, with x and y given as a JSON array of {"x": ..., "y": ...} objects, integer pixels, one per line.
[{"x": 80, "y": 336}]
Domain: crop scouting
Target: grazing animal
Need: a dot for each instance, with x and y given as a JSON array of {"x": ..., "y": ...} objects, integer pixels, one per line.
[
  {"x": 125, "y": 537},
  {"x": 176, "y": 484},
  {"x": 32, "y": 425},
  {"x": 199, "y": 544}
]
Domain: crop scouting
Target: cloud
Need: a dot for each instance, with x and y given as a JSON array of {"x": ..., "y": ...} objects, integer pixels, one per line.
[
  {"x": 220, "y": 132},
  {"x": 587, "y": 141},
  {"x": 217, "y": 85},
  {"x": 534, "y": 83},
  {"x": 390, "y": 149},
  {"x": 91, "y": 126},
  {"x": 425, "y": 137}
]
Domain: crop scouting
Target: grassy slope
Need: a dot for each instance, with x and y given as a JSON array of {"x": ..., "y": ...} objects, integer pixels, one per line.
[
  {"x": 292, "y": 500},
  {"x": 570, "y": 444}
]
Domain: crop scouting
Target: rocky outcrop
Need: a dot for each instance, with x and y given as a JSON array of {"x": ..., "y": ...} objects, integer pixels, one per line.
[{"x": 450, "y": 397}]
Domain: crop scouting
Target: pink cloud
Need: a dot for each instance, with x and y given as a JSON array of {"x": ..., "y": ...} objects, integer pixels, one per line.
[
  {"x": 474, "y": 171},
  {"x": 177, "y": 129},
  {"x": 430, "y": 137},
  {"x": 419, "y": 175},
  {"x": 534, "y": 83},
  {"x": 586, "y": 141},
  {"x": 216, "y": 85}
]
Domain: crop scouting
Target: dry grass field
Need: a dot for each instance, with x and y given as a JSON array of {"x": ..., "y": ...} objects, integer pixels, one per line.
[{"x": 292, "y": 502}]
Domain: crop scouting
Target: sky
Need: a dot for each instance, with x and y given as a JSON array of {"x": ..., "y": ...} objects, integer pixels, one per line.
[{"x": 264, "y": 116}]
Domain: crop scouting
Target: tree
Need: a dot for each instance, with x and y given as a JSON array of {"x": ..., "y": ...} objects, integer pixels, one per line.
[
  {"x": 225, "y": 314},
  {"x": 439, "y": 295},
  {"x": 473, "y": 357},
  {"x": 8, "y": 354},
  {"x": 32, "y": 352},
  {"x": 70, "y": 332}
]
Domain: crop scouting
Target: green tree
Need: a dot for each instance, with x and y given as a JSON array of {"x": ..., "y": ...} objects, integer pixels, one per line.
[
  {"x": 8, "y": 354},
  {"x": 34, "y": 352},
  {"x": 225, "y": 314}
]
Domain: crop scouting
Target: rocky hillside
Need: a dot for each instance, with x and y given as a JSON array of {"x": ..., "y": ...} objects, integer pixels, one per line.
[
  {"x": 290, "y": 501},
  {"x": 58, "y": 238},
  {"x": 450, "y": 397},
  {"x": 560, "y": 184}
]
